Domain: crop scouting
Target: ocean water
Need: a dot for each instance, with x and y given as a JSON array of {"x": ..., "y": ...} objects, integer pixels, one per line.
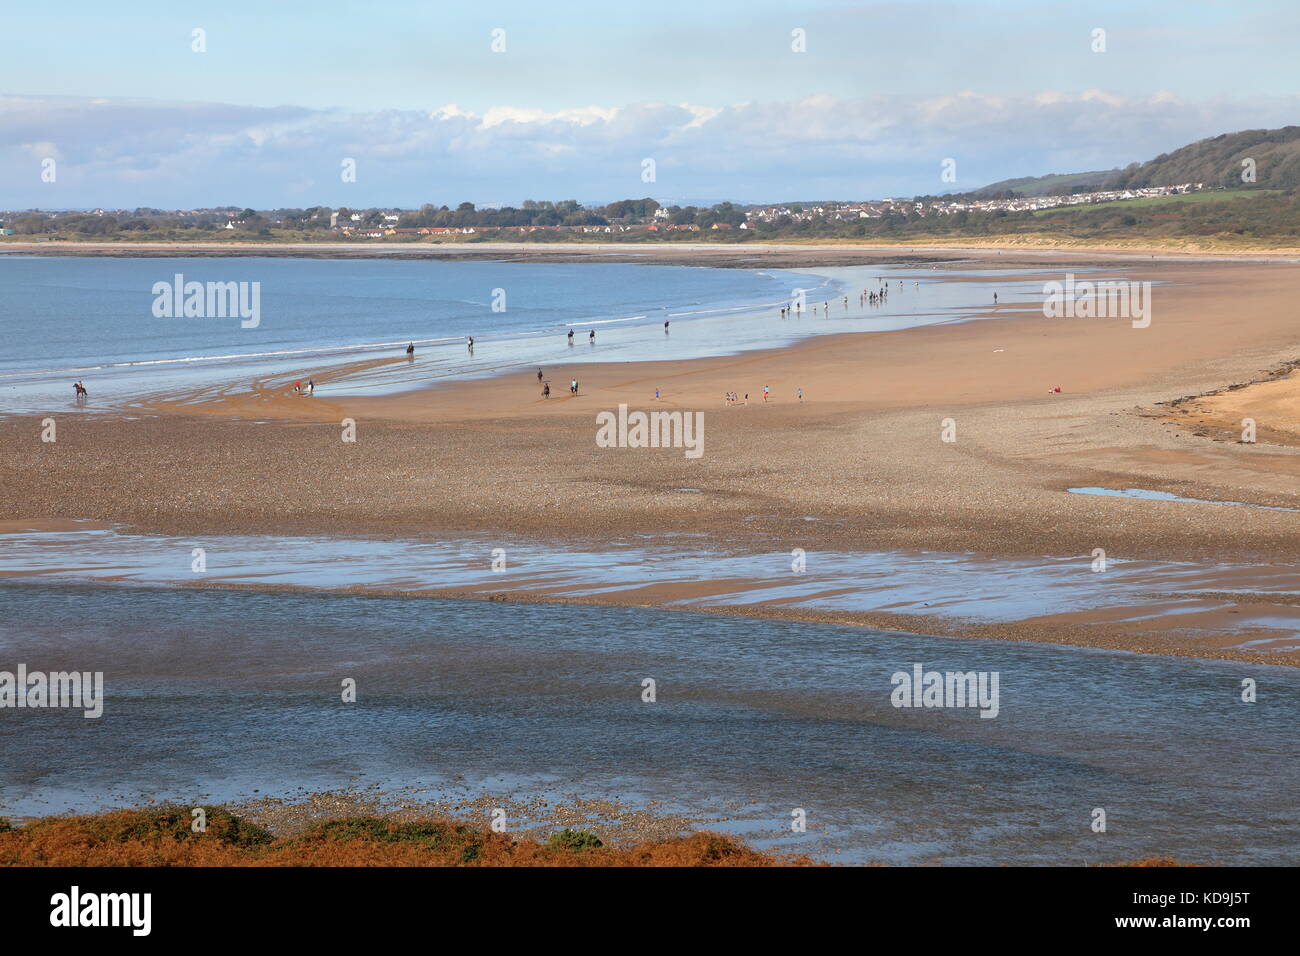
[
  {"x": 68, "y": 318},
  {"x": 211, "y": 695}
]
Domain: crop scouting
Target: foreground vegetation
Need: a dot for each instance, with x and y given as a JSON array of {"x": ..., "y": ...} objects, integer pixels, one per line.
[{"x": 163, "y": 837}]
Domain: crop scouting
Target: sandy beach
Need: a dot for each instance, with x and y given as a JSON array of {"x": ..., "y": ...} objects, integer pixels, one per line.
[
  {"x": 1154, "y": 408},
  {"x": 821, "y": 252}
]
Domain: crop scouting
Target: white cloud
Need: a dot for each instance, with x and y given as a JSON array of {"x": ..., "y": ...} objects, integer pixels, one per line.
[
  {"x": 136, "y": 152},
  {"x": 581, "y": 117}
]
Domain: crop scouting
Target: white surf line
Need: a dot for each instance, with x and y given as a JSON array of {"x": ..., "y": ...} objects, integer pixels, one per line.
[{"x": 633, "y": 318}]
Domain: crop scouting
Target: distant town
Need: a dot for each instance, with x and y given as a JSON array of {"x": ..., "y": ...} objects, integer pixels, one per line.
[{"x": 646, "y": 217}]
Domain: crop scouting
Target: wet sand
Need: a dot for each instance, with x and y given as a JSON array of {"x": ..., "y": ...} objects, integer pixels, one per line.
[
  {"x": 1244, "y": 612},
  {"x": 1208, "y": 632},
  {"x": 862, "y": 455}
]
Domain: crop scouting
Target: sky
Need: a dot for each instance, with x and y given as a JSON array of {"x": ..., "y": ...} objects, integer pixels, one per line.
[{"x": 123, "y": 105}]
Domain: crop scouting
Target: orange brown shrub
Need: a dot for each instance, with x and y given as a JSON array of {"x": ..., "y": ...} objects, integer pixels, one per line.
[{"x": 162, "y": 837}]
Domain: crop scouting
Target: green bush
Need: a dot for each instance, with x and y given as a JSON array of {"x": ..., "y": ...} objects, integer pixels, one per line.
[
  {"x": 376, "y": 830},
  {"x": 567, "y": 839},
  {"x": 158, "y": 823}
]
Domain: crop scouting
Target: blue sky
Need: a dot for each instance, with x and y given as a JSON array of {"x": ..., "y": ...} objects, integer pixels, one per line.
[{"x": 585, "y": 91}]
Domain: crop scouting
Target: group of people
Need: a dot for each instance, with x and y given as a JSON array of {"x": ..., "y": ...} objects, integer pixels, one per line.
[
  {"x": 733, "y": 398},
  {"x": 546, "y": 387},
  {"x": 868, "y": 297},
  {"x": 304, "y": 388},
  {"x": 797, "y": 308},
  {"x": 469, "y": 342}
]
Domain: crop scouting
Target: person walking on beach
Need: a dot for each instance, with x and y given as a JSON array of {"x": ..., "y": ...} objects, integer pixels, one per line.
[
  {"x": 765, "y": 390},
  {"x": 591, "y": 336},
  {"x": 470, "y": 342},
  {"x": 665, "y": 328},
  {"x": 311, "y": 386},
  {"x": 573, "y": 387},
  {"x": 410, "y": 349},
  {"x": 570, "y": 336},
  {"x": 546, "y": 390},
  {"x": 656, "y": 394},
  {"x": 800, "y": 394},
  {"x": 539, "y": 375}
]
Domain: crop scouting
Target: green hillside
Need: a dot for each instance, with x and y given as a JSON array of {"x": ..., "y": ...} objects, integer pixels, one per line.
[
  {"x": 1217, "y": 161},
  {"x": 1042, "y": 185}
]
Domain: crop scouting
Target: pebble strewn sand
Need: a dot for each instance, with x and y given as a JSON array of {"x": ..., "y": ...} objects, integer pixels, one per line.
[{"x": 530, "y": 817}]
